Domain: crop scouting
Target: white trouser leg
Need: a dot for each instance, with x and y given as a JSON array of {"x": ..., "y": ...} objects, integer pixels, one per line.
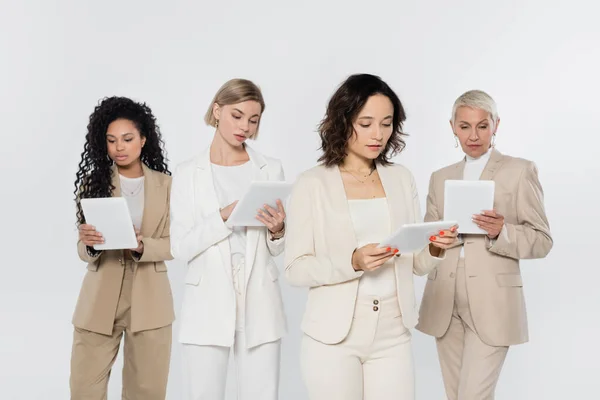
[
  {"x": 204, "y": 372},
  {"x": 257, "y": 369}
]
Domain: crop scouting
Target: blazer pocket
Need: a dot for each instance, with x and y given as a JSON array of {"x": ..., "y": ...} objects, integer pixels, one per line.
[
  {"x": 193, "y": 276},
  {"x": 273, "y": 270},
  {"x": 509, "y": 280},
  {"x": 432, "y": 275},
  {"x": 160, "y": 267}
]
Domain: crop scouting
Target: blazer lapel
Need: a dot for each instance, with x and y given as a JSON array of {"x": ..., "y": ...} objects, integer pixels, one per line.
[
  {"x": 342, "y": 236},
  {"x": 492, "y": 165},
  {"x": 206, "y": 195},
  {"x": 253, "y": 234},
  {"x": 154, "y": 201},
  {"x": 395, "y": 194}
]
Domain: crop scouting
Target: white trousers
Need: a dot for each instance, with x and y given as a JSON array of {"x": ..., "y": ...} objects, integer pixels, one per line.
[
  {"x": 257, "y": 370},
  {"x": 374, "y": 362}
]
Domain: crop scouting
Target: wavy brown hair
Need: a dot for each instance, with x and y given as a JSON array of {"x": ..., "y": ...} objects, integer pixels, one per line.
[{"x": 344, "y": 106}]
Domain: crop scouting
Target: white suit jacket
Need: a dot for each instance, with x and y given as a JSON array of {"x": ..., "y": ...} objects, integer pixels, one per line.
[
  {"x": 200, "y": 237},
  {"x": 321, "y": 239}
]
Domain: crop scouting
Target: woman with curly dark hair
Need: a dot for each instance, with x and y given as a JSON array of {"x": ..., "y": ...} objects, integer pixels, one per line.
[
  {"x": 361, "y": 303},
  {"x": 125, "y": 293}
]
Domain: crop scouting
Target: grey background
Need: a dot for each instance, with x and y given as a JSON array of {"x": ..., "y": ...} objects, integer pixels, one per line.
[{"x": 538, "y": 59}]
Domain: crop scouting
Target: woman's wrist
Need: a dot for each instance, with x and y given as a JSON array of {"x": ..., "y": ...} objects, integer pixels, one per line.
[{"x": 278, "y": 234}]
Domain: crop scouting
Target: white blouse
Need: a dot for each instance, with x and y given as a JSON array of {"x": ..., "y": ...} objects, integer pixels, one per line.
[
  {"x": 133, "y": 191},
  {"x": 231, "y": 182},
  {"x": 371, "y": 220}
]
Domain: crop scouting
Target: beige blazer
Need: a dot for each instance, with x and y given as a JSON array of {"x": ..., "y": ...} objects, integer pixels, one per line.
[
  {"x": 151, "y": 298},
  {"x": 321, "y": 240},
  {"x": 494, "y": 282}
]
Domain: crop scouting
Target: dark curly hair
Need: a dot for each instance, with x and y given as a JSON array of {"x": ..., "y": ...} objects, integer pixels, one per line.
[
  {"x": 94, "y": 176},
  {"x": 344, "y": 106}
]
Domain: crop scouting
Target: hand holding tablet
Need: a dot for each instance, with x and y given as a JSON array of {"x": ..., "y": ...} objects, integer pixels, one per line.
[
  {"x": 108, "y": 224},
  {"x": 263, "y": 199},
  {"x": 370, "y": 257},
  {"x": 464, "y": 199},
  {"x": 412, "y": 238}
]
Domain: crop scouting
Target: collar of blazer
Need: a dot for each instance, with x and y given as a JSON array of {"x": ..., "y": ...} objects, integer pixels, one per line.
[
  {"x": 489, "y": 171},
  {"x": 155, "y": 197}
]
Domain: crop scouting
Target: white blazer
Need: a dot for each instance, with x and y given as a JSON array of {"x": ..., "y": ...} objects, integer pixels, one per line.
[
  {"x": 200, "y": 237},
  {"x": 320, "y": 242}
]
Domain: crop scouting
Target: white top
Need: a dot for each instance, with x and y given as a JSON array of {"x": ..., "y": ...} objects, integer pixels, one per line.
[
  {"x": 371, "y": 220},
  {"x": 231, "y": 182},
  {"x": 473, "y": 169},
  {"x": 133, "y": 191}
]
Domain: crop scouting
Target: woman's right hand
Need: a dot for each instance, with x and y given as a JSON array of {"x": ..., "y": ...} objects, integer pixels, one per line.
[
  {"x": 89, "y": 236},
  {"x": 370, "y": 257},
  {"x": 226, "y": 211}
]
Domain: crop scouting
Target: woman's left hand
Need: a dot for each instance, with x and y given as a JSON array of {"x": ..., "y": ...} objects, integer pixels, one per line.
[
  {"x": 273, "y": 218},
  {"x": 445, "y": 239},
  {"x": 490, "y": 221}
]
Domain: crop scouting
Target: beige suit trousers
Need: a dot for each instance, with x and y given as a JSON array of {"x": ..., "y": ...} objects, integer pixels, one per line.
[
  {"x": 146, "y": 356},
  {"x": 470, "y": 368},
  {"x": 374, "y": 362}
]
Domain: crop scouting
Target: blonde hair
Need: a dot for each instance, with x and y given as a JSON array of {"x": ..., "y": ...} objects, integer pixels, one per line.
[
  {"x": 476, "y": 99},
  {"x": 234, "y": 91}
]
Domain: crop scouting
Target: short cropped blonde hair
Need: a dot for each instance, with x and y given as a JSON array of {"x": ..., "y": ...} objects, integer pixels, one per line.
[
  {"x": 477, "y": 99},
  {"x": 234, "y": 91}
]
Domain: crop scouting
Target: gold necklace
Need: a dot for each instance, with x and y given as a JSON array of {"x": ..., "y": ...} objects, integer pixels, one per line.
[{"x": 366, "y": 176}]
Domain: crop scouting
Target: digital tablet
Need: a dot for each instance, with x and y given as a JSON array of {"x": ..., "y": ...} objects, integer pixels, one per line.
[
  {"x": 110, "y": 216},
  {"x": 463, "y": 199},
  {"x": 412, "y": 238},
  {"x": 258, "y": 194}
]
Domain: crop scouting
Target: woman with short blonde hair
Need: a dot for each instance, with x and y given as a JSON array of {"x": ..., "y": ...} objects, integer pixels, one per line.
[
  {"x": 232, "y": 298},
  {"x": 473, "y": 303}
]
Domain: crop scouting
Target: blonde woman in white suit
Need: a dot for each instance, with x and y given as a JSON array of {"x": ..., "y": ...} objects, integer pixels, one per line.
[
  {"x": 232, "y": 298},
  {"x": 361, "y": 303}
]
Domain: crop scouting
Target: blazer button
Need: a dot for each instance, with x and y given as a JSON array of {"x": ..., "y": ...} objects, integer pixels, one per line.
[
  {"x": 375, "y": 308},
  {"x": 451, "y": 274},
  {"x": 375, "y": 302}
]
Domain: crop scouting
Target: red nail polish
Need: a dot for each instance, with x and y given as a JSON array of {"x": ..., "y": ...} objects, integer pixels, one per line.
[
  {"x": 453, "y": 229},
  {"x": 442, "y": 233},
  {"x": 389, "y": 249},
  {"x": 395, "y": 251},
  {"x": 432, "y": 238}
]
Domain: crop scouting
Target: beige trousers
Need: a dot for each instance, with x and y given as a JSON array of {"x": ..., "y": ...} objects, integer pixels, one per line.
[
  {"x": 146, "y": 356},
  {"x": 374, "y": 362},
  {"x": 470, "y": 368}
]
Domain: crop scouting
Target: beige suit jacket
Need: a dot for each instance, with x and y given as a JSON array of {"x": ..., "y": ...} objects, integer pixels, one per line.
[
  {"x": 494, "y": 283},
  {"x": 321, "y": 240},
  {"x": 151, "y": 298}
]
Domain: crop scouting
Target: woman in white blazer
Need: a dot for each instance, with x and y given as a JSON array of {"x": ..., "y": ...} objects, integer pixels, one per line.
[
  {"x": 232, "y": 296},
  {"x": 361, "y": 301}
]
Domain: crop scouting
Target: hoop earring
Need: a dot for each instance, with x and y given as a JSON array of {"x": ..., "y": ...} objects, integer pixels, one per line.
[
  {"x": 494, "y": 140},
  {"x": 455, "y": 141}
]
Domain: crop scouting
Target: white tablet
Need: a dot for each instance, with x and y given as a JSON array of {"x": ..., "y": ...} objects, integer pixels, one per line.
[
  {"x": 412, "y": 238},
  {"x": 110, "y": 216},
  {"x": 258, "y": 194},
  {"x": 463, "y": 199}
]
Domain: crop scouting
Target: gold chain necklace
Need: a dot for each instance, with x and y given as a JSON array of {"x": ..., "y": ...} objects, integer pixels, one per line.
[{"x": 366, "y": 176}]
